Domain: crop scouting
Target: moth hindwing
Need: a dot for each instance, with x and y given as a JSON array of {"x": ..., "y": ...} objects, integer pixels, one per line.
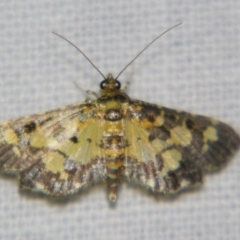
[{"x": 111, "y": 139}]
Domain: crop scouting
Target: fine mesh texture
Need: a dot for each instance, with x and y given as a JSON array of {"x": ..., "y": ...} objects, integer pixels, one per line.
[{"x": 194, "y": 67}]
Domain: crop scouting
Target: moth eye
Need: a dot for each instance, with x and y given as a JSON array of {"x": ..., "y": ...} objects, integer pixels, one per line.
[
  {"x": 103, "y": 84},
  {"x": 118, "y": 84}
]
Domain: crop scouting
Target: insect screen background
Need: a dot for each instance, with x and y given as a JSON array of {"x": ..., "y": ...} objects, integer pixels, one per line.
[{"x": 194, "y": 67}]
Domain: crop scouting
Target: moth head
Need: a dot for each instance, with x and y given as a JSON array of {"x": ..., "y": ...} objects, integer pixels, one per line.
[{"x": 110, "y": 83}]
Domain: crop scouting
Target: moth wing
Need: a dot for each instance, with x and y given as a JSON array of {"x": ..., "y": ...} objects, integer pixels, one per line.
[
  {"x": 54, "y": 152},
  {"x": 170, "y": 150}
]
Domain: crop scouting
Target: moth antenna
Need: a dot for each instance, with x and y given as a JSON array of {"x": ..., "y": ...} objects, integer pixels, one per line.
[
  {"x": 145, "y": 49},
  {"x": 82, "y": 54}
]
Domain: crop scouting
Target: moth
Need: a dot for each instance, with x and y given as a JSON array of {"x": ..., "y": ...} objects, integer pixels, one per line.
[{"x": 113, "y": 138}]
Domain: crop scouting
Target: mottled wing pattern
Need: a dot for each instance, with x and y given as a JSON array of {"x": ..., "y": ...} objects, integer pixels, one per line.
[
  {"x": 170, "y": 150},
  {"x": 54, "y": 152}
]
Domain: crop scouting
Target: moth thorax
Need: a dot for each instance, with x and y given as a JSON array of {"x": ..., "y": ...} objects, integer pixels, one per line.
[{"x": 113, "y": 114}]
